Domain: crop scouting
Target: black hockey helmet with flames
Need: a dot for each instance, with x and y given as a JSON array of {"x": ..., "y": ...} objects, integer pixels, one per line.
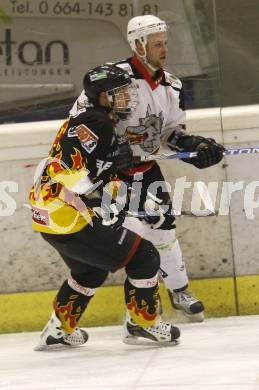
[{"x": 109, "y": 78}]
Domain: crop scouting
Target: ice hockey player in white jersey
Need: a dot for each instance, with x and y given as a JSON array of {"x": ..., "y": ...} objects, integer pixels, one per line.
[{"x": 159, "y": 120}]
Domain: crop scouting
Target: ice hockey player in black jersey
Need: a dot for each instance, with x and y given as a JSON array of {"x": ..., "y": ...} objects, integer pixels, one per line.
[
  {"x": 159, "y": 120},
  {"x": 75, "y": 208}
]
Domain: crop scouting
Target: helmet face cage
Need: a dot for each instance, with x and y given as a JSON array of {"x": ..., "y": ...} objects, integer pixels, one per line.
[
  {"x": 124, "y": 100},
  {"x": 140, "y": 27}
]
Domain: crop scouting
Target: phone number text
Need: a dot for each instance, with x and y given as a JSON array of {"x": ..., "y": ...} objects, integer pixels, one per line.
[{"x": 78, "y": 8}]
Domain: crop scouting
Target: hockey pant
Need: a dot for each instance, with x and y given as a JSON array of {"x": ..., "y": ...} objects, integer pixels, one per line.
[{"x": 94, "y": 252}]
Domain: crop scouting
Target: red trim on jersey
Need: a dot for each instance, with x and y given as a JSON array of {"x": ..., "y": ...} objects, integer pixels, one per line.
[
  {"x": 139, "y": 168},
  {"x": 131, "y": 252},
  {"x": 144, "y": 72}
]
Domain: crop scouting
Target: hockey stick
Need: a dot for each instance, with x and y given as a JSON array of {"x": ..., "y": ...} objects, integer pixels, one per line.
[
  {"x": 201, "y": 213},
  {"x": 183, "y": 155},
  {"x": 204, "y": 194}
]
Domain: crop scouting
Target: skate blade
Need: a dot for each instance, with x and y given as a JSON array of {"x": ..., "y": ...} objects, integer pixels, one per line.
[
  {"x": 182, "y": 316},
  {"x": 54, "y": 347},
  {"x": 131, "y": 340},
  {"x": 41, "y": 347}
]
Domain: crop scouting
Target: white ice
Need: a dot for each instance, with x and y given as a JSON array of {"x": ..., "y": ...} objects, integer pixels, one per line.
[{"x": 219, "y": 354}]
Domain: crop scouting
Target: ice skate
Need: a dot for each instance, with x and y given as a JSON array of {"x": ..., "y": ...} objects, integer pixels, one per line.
[
  {"x": 53, "y": 336},
  {"x": 186, "y": 304},
  {"x": 161, "y": 333}
]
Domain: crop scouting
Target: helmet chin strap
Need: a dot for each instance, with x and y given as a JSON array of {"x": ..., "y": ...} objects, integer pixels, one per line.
[
  {"x": 144, "y": 58},
  {"x": 150, "y": 66}
]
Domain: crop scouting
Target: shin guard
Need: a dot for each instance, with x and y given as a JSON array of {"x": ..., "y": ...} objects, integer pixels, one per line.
[
  {"x": 70, "y": 303},
  {"x": 141, "y": 300}
]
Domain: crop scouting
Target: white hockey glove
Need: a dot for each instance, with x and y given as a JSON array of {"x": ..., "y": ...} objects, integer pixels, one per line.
[
  {"x": 109, "y": 205},
  {"x": 110, "y": 215},
  {"x": 156, "y": 217}
]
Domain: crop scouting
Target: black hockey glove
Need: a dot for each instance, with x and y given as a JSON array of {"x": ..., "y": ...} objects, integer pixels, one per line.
[
  {"x": 208, "y": 151},
  {"x": 123, "y": 156}
]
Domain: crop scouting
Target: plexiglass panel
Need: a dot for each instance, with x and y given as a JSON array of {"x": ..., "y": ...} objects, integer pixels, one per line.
[{"x": 46, "y": 46}]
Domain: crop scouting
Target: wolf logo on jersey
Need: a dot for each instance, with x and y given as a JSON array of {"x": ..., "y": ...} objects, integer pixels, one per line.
[{"x": 147, "y": 134}]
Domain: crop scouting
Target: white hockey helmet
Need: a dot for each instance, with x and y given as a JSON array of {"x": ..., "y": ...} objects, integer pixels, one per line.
[{"x": 140, "y": 27}]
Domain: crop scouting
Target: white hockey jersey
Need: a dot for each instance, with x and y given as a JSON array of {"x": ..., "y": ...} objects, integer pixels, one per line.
[{"x": 158, "y": 113}]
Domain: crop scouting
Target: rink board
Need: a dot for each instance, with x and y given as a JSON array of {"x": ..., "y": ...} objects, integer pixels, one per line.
[
  {"x": 30, "y": 311},
  {"x": 213, "y": 247}
]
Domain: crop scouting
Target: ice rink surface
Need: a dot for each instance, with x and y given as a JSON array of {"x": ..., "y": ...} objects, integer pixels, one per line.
[{"x": 219, "y": 354}]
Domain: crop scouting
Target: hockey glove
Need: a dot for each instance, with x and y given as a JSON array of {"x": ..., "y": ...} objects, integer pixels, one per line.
[
  {"x": 156, "y": 217},
  {"x": 208, "y": 151},
  {"x": 123, "y": 155},
  {"x": 109, "y": 214}
]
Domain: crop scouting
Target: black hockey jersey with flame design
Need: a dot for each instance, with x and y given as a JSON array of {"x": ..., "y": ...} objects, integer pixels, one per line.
[{"x": 81, "y": 158}]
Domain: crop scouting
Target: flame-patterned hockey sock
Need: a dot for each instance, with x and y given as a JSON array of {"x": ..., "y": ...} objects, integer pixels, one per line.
[
  {"x": 70, "y": 303},
  {"x": 141, "y": 300}
]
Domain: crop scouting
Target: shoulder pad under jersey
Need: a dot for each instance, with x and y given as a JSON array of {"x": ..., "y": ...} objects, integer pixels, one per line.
[
  {"x": 125, "y": 66},
  {"x": 173, "y": 80}
]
